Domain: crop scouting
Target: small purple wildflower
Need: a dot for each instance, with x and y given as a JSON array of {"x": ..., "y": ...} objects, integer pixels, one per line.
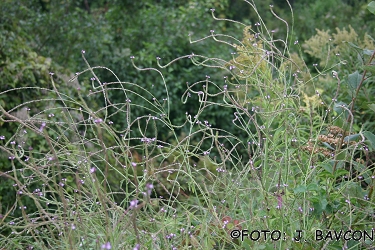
[
  {"x": 279, "y": 201},
  {"x": 149, "y": 188},
  {"x": 137, "y": 247},
  {"x": 42, "y": 126},
  {"x": 133, "y": 204},
  {"x": 106, "y": 246}
]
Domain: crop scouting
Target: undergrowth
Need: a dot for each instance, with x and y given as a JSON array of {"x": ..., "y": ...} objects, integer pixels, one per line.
[{"x": 300, "y": 157}]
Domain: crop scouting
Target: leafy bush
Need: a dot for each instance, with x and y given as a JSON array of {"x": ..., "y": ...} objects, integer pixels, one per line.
[{"x": 298, "y": 155}]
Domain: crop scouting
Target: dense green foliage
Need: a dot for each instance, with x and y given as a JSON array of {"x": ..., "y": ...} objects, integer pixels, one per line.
[{"x": 240, "y": 113}]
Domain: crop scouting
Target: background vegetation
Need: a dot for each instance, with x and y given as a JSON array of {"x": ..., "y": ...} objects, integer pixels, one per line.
[{"x": 262, "y": 120}]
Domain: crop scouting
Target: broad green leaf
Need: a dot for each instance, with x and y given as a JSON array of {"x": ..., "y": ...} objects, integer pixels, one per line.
[
  {"x": 327, "y": 167},
  {"x": 247, "y": 243},
  {"x": 354, "y": 79},
  {"x": 300, "y": 189},
  {"x": 351, "y": 137},
  {"x": 341, "y": 172},
  {"x": 370, "y": 137},
  {"x": 372, "y": 106},
  {"x": 323, "y": 203},
  {"x": 369, "y": 68},
  {"x": 371, "y": 7},
  {"x": 313, "y": 187},
  {"x": 337, "y": 107},
  {"x": 324, "y": 175}
]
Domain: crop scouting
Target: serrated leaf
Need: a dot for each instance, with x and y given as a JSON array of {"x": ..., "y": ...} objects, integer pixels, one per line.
[
  {"x": 371, "y": 7},
  {"x": 351, "y": 137},
  {"x": 354, "y": 79},
  {"x": 369, "y": 68}
]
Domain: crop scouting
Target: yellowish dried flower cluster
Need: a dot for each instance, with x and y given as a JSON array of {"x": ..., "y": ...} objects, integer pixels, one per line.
[
  {"x": 329, "y": 47},
  {"x": 333, "y": 138}
]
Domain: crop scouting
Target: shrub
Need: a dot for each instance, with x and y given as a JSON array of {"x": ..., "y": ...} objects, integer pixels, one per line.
[{"x": 300, "y": 160}]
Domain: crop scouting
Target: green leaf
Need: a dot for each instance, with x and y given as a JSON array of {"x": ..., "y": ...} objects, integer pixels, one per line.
[
  {"x": 353, "y": 45},
  {"x": 300, "y": 189},
  {"x": 372, "y": 106},
  {"x": 328, "y": 146},
  {"x": 338, "y": 108},
  {"x": 369, "y": 68},
  {"x": 351, "y": 137},
  {"x": 371, "y": 7},
  {"x": 341, "y": 172},
  {"x": 313, "y": 187},
  {"x": 323, "y": 203},
  {"x": 327, "y": 167},
  {"x": 354, "y": 79},
  {"x": 324, "y": 175},
  {"x": 370, "y": 137},
  {"x": 368, "y": 52}
]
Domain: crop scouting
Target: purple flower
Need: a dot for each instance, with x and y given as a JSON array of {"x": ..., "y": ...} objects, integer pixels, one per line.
[
  {"x": 133, "y": 204},
  {"x": 42, "y": 126},
  {"x": 279, "y": 201},
  {"x": 106, "y": 246},
  {"x": 149, "y": 188},
  {"x": 137, "y": 247}
]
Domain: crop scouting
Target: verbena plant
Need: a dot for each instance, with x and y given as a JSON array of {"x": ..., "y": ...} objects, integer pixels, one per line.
[{"x": 297, "y": 160}]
